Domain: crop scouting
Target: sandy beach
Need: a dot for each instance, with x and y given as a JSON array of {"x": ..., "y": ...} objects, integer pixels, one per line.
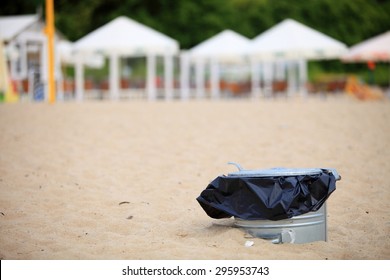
[{"x": 119, "y": 180}]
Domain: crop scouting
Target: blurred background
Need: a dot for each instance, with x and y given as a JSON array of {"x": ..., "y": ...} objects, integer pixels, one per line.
[{"x": 192, "y": 22}]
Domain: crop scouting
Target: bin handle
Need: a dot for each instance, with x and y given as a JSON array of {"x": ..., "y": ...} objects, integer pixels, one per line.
[
  {"x": 285, "y": 236},
  {"x": 275, "y": 238},
  {"x": 236, "y": 165}
]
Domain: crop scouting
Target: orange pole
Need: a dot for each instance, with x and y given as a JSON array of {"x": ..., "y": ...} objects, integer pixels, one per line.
[{"x": 50, "y": 49}]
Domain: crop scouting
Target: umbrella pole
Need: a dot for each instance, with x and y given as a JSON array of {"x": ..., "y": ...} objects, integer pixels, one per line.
[{"x": 50, "y": 43}]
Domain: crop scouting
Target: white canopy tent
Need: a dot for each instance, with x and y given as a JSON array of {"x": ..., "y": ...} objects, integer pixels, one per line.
[
  {"x": 66, "y": 56},
  {"x": 26, "y": 49},
  {"x": 374, "y": 49},
  {"x": 11, "y": 26},
  {"x": 226, "y": 47},
  {"x": 291, "y": 41},
  {"x": 126, "y": 37}
]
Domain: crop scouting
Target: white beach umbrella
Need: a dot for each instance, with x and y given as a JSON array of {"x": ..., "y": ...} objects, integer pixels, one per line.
[
  {"x": 291, "y": 41},
  {"x": 126, "y": 37},
  {"x": 226, "y": 47},
  {"x": 374, "y": 49},
  {"x": 11, "y": 26},
  {"x": 66, "y": 55}
]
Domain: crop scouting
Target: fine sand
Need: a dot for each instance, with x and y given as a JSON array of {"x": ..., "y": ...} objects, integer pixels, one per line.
[{"x": 106, "y": 180}]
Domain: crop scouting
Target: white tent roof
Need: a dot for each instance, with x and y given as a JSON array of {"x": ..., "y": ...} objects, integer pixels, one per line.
[
  {"x": 65, "y": 52},
  {"x": 375, "y": 49},
  {"x": 11, "y": 26},
  {"x": 226, "y": 46},
  {"x": 125, "y": 36},
  {"x": 291, "y": 39}
]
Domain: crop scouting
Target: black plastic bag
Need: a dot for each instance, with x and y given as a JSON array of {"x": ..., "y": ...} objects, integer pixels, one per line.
[{"x": 271, "y": 198}]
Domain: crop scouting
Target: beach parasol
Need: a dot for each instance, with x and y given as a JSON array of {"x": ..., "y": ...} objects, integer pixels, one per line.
[
  {"x": 290, "y": 40},
  {"x": 226, "y": 47},
  {"x": 66, "y": 57},
  {"x": 293, "y": 40},
  {"x": 374, "y": 49},
  {"x": 126, "y": 37}
]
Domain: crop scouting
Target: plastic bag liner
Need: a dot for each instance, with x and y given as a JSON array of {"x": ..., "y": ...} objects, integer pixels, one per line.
[{"x": 254, "y": 197}]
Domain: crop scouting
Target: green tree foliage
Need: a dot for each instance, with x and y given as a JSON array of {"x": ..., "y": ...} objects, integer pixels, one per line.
[{"x": 192, "y": 21}]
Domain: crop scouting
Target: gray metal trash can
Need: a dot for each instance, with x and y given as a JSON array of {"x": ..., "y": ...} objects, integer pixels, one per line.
[
  {"x": 308, "y": 227},
  {"x": 304, "y": 228}
]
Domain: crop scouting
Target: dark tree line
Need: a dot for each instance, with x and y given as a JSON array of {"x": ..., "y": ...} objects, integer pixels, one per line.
[{"x": 192, "y": 21}]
